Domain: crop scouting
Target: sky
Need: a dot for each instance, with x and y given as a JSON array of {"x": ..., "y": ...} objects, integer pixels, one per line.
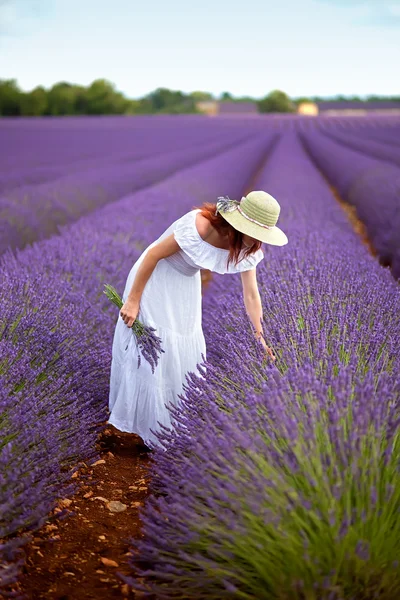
[{"x": 245, "y": 47}]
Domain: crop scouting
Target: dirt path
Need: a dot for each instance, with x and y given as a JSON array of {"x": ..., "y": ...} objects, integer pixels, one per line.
[
  {"x": 77, "y": 558},
  {"x": 357, "y": 225}
]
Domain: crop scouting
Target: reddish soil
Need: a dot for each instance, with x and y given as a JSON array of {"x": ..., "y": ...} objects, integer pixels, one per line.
[
  {"x": 358, "y": 225},
  {"x": 68, "y": 559}
]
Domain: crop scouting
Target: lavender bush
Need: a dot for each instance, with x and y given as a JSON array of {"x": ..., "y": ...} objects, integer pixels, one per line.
[
  {"x": 389, "y": 135},
  {"x": 282, "y": 481},
  {"x": 35, "y": 212},
  {"x": 53, "y": 307},
  {"x": 376, "y": 149},
  {"x": 47, "y": 412},
  {"x": 371, "y": 185},
  {"x": 38, "y": 150}
]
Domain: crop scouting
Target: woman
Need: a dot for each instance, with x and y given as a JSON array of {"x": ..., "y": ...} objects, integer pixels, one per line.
[{"x": 163, "y": 290}]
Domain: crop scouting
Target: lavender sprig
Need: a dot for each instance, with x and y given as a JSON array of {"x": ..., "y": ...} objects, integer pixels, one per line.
[{"x": 149, "y": 344}]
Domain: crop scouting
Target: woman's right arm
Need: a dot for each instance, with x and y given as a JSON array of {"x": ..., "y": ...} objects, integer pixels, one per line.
[
  {"x": 252, "y": 301},
  {"x": 130, "y": 308}
]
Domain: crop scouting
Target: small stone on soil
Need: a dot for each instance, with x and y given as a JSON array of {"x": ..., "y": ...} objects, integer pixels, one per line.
[
  {"x": 116, "y": 506},
  {"x": 107, "y": 562}
]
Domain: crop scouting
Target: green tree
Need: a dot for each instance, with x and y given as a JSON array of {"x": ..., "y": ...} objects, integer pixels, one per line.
[
  {"x": 276, "y": 101},
  {"x": 80, "y": 100},
  {"x": 201, "y": 96},
  {"x": 10, "y": 98},
  {"x": 133, "y": 107},
  {"x": 102, "y": 98},
  {"x": 164, "y": 101},
  {"x": 301, "y": 99},
  {"x": 144, "y": 106},
  {"x": 61, "y": 99},
  {"x": 34, "y": 103},
  {"x": 163, "y": 98},
  {"x": 226, "y": 97}
]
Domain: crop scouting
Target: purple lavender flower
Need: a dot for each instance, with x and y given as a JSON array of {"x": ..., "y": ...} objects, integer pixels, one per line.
[
  {"x": 149, "y": 344},
  {"x": 55, "y": 351}
]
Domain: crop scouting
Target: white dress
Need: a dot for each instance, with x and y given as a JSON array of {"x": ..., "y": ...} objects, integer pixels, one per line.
[{"x": 171, "y": 303}]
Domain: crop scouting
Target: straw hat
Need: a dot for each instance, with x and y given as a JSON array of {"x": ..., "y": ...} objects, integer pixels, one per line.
[{"x": 255, "y": 215}]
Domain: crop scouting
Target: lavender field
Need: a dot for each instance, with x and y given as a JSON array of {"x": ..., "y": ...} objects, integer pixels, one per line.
[{"x": 281, "y": 480}]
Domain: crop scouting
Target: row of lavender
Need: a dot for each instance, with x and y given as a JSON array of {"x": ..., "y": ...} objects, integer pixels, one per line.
[
  {"x": 38, "y": 150},
  {"x": 56, "y": 330},
  {"x": 379, "y": 142},
  {"x": 33, "y": 212},
  {"x": 370, "y": 184},
  {"x": 284, "y": 481}
]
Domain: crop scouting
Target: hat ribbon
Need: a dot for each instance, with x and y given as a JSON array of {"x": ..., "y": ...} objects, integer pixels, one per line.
[
  {"x": 225, "y": 204},
  {"x": 254, "y": 220}
]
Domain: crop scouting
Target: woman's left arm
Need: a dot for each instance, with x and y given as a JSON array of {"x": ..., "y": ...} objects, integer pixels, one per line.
[{"x": 252, "y": 302}]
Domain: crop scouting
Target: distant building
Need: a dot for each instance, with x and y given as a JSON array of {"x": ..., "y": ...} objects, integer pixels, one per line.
[
  {"x": 348, "y": 107},
  {"x": 307, "y": 108},
  {"x": 208, "y": 107},
  {"x": 213, "y": 107}
]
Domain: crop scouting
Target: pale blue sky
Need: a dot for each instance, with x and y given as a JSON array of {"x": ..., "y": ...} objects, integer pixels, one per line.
[{"x": 304, "y": 47}]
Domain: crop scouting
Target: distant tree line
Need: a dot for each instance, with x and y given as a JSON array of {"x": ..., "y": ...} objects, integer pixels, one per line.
[{"x": 101, "y": 97}]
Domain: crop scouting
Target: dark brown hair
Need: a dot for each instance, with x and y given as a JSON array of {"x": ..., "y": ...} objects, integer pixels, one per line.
[{"x": 235, "y": 237}]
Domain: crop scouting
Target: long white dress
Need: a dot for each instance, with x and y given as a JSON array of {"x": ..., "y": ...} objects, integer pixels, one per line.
[{"x": 171, "y": 303}]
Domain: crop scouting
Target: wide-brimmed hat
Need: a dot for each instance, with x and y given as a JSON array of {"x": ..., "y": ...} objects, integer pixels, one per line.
[{"x": 255, "y": 215}]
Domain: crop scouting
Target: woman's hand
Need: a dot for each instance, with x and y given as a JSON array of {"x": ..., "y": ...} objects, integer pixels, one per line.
[
  {"x": 268, "y": 351},
  {"x": 253, "y": 306},
  {"x": 129, "y": 311}
]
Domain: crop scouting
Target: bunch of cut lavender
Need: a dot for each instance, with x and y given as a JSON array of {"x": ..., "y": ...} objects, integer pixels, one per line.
[{"x": 149, "y": 344}]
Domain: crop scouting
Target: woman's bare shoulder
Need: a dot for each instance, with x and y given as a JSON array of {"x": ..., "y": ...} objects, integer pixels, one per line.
[{"x": 203, "y": 225}]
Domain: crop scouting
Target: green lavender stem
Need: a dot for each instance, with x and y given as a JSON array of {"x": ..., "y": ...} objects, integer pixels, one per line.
[{"x": 149, "y": 344}]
